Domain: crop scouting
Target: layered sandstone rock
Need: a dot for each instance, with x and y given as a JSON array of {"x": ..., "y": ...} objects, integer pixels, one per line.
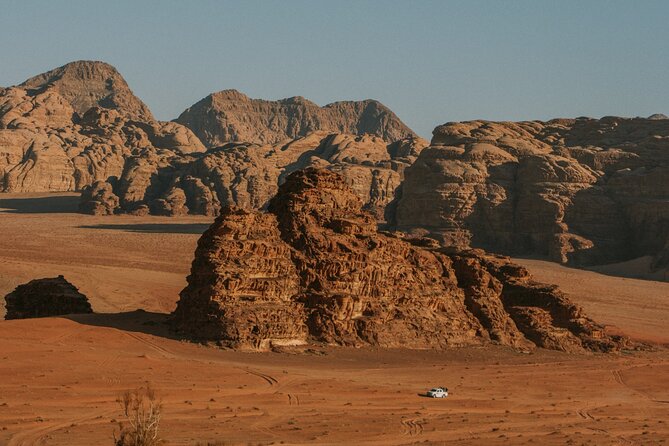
[
  {"x": 229, "y": 116},
  {"x": 76, "y": 125},
  {"x": 242, "y": 285},
  {"x": 165, "y": 182},
  {"x": 45, "y": 297},
  {"x": 579, "y": 191},
  {"x": 314, "y": 268}
]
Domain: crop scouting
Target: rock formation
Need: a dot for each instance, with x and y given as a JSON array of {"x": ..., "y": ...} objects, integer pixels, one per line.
[
  {"x": 164, "y": 182},
  {"x": 79, "y": 124},
  {"x": 75, "y": 125},
  {"x": 578, "y": 191},
  {"x": 230, "y": 116},
  {"x": 314, "y": 269},
  {"x": 45, "y": 297},
  {"x": 87, "y": 84}
]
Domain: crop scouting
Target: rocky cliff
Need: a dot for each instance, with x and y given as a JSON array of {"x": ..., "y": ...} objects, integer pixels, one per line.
[
  {"x": 578, "y": 191},
  {"x": 314, "y": 269},
  {"x": 164, "y": 182},
  {"x": 229, "y": 116}
]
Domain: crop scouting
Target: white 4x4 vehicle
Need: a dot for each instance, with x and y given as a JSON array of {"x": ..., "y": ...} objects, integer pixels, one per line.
[{"x": 438, "y": 392}]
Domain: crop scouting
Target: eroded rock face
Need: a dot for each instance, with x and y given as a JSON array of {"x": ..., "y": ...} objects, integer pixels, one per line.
[
  {"x": 230, "y": 116},
  {"x": 45, "y": 297},
  {"x": 581, "y": 191},
  {"x": 314, "y": 268},
  {"x": 165, "y": 182},
  {"x": 73, "y": 126},
  {"x": 242, "y": 285}
]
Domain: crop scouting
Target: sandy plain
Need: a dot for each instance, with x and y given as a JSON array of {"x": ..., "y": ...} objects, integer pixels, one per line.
[{"x": 60, "y": 377}]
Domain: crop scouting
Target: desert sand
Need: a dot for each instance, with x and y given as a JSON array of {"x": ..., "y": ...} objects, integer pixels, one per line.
[{"x": 59, "y": 377}]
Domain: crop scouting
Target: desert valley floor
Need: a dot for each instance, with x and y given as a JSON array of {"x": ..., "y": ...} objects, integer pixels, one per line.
[{"x": 60, "y": 377}]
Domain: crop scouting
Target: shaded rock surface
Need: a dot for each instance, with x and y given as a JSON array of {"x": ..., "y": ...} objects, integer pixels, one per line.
[
  {"x": 166, "y": 182},
  {"x": 314, "y": 269},
  {"x": 231, "y": 116},
  {"x": 578, "y": 191},
  {"x": 45, "y": 297}
]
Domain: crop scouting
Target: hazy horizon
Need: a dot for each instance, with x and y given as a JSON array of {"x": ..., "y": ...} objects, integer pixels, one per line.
[{"x": 430, "y": 62}]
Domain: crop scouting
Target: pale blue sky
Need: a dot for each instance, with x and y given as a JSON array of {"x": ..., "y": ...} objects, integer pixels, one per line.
[{"x": 430, "y": 61}]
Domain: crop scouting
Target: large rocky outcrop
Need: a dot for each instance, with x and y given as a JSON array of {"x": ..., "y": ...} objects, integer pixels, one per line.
[
  {"x": 73, "y": 126},
  {"x": 314, "y": 268},
  {"x": 578, "y": 191},
  {"x": 230, "y": 116},
  {"x": 45, "y": 297},
  {"x": 164, "y": 182}
]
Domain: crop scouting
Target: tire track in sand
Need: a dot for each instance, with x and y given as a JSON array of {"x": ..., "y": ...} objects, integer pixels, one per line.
[
  {"x": 35, "y": 436},
  {"x": 413, "y": 426}
]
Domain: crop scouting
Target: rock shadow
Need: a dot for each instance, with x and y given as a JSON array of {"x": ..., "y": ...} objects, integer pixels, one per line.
[
  {"x": 165, "y": 228},
  {"x": 58, "y": 204},
  {"x": 139, "y": 321}
]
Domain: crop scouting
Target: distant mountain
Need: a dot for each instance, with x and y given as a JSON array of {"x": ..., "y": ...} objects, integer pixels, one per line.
[
  {"x": 74, "y": 125},
  {"x": 87, "y": 84},
  {"x": 230, "y": 116},
  {"x": 78, "y": 124}
]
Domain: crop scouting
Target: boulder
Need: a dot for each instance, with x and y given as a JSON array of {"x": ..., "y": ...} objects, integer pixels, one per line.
[{"x": 45, "y": 297}]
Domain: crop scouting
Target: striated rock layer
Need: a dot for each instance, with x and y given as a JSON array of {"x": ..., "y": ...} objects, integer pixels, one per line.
[
  {"x": 166, "y": 182},
  {"x": 578, "y": 191},
  {"x": 229, "y": 116},
  {"x": 45, "y": 297},
  {"x": 314, "y": 268}
]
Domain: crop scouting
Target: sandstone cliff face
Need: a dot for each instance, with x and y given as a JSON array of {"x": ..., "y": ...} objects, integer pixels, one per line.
[
  {"x": 314, "y": 269},
  {"x": 45, "y": 297},
  {"x": 579, "y": 191},
  {"x": 229, "y": 116},
  {"x": 164, "y": 182},
  {"x": 75, "y": 125}
]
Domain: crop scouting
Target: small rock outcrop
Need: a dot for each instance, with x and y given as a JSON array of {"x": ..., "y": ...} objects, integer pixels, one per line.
[
  {"x": 98, "y": 199},
  {"x": 314, "y": 269},
  {"x": 230, "y": 116},
  {"x": 45, "y": 297}
]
